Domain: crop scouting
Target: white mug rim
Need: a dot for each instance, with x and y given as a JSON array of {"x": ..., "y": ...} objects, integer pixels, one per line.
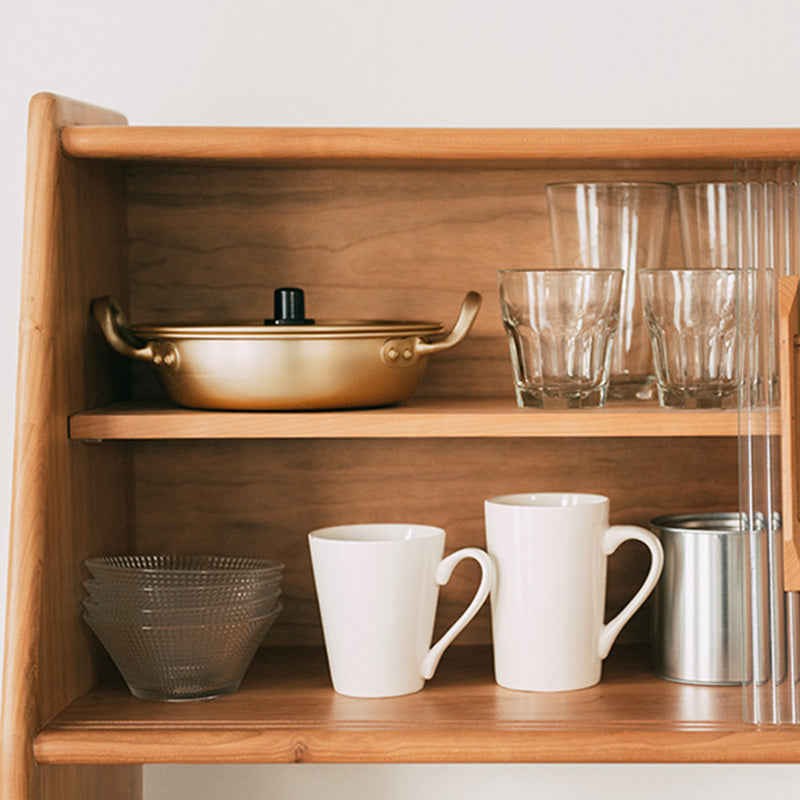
[
  {"x": 376, "y": 533},
  {"x": 548, "y": 500}
]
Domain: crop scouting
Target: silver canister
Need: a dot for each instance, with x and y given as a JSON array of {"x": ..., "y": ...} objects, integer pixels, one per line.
[{"x": 698, "y": 605}]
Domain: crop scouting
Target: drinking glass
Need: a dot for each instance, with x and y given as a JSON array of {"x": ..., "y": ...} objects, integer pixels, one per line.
[
  {"x": 615, "y": 226},
  {"x": 691, "y": 316},
  {"x": 560, "y": 326},
  {"x": 707, "y": 215}
]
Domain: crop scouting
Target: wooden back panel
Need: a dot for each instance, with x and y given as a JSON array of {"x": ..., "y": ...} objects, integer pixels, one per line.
[
  {"x": 263, "y": 497},
  {"x": 211, "y": 243}
]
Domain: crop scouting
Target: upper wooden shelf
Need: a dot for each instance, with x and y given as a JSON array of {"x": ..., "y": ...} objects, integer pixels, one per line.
[
  {"x": 286, "y": 711},
  {"x": 497, "y": 417},
  {"x": 410, "y": 146}
]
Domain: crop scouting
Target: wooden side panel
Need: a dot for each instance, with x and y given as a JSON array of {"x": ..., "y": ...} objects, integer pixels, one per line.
[
  {"x": 68, "y": 501},
  {"x": 77, "y": 782},
  {"x": 263, "y": 497},
  {"x": 788, "y": 332}
]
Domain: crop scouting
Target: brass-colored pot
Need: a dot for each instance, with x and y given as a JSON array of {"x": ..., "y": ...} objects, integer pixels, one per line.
[{"x": 323, "y": 365}]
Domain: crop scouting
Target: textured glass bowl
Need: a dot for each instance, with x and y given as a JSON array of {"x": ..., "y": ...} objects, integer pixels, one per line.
[
  {"x": 108, "y": 593},
  {"x": 117, "y": 612},
  {"x": 182, "y": 570},
  {"x": 183, "y": 662}
]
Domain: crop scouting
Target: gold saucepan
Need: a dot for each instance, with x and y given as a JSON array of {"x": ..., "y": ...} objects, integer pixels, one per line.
[{"x": 285, "y": 364}]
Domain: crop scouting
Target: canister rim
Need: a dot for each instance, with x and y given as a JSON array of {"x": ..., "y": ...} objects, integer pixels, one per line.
[{"x": 720, "y": 523}]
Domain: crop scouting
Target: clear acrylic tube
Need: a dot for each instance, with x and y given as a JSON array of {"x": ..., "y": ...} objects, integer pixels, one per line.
[{"x": 768, "y": 235}]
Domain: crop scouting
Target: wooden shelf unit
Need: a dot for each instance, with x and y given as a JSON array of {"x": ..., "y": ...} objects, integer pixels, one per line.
[{"x": 190, "y": 223}]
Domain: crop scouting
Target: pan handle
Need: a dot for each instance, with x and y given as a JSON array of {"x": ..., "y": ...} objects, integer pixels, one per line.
[
  {"x": 112, "y": 322},
  {"x": 408, "y": 351},
  {"x": 466, "y": 316}
]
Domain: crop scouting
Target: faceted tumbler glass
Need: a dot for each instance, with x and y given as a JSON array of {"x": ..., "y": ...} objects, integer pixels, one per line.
[
  {"x": 691, "y": 315},
  {"x": 560, "y": 326}
]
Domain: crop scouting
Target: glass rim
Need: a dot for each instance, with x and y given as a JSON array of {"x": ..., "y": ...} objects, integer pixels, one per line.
[
  {"x": 180, "y": 566},
  {"x": 690, "y": 270},
  {"x": 610, "y": 184},
  {"x": 560, "y": 270},
  {"x": 690, "y": 184}
]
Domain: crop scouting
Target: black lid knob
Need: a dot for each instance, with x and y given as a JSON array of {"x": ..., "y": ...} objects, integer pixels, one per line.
[{"x": 289, "y": 308}]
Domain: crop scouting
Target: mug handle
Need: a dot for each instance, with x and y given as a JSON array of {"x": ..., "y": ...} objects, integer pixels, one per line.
[
  {"x": 443, "y": 572},
  {"x": 612, "y": 539}
]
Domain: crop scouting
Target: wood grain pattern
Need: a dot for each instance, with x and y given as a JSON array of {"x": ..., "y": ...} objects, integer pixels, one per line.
[
  {"x": 64, "y": 504},
  {"x": 789, "y": 340},
  {"x": 465, "y": 745},
  {"x": 425, "y": 418},
  {"x": 107, "y": 782},
  {"x": 414, "y": 145},
  {"x": 286, "y": 711},
  {"x": 211, "y": 243},
  {"x": 262, "y": 498}
]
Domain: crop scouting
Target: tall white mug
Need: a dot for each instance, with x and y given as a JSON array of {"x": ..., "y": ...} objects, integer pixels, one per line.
[
  {"x": 550, "y": 551},
  {"x": 377, "y": 587}
]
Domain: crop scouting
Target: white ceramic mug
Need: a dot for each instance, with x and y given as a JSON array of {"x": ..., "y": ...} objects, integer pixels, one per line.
[
  {"x": 550, "y": 551},
  {"x": 377, "y": 588}
]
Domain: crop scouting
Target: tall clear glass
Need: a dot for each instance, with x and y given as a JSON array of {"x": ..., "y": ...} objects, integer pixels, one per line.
[
  {"x": 708, "y": 225},
  {"x": 615, "y": 226},
  {"x": 768, "y": 228}
]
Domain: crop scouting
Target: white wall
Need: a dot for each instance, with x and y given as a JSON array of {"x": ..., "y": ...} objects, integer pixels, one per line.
[{"x": 395, "y": 62}]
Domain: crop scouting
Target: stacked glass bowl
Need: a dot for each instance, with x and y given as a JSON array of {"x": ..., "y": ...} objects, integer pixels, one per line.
[{"x": 182, "y": 627}]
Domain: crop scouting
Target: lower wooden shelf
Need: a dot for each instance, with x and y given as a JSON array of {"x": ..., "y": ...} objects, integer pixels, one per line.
[{"x": 286, "y": 711}]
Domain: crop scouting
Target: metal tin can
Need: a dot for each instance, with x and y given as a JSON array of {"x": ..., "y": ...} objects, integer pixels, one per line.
[{"x": 698, "y": 605}]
